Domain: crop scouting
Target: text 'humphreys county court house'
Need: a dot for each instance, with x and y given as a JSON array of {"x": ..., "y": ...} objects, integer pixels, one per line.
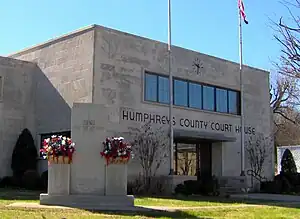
[{"x": 128, "y": 75}]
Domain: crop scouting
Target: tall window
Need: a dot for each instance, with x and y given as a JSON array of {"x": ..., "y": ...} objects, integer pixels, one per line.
[
  {"x": 150, "y": 87},
  {"x": 233, "y": 102},
  {"x": 163, "y": 89},
  {"x": 180, "y": 93},
  {"x": 195, "y": 95},
  {"x": 208, "y": 98},
  {"x": 156, "y": 88},
  {"x": 221, "y": 100}
]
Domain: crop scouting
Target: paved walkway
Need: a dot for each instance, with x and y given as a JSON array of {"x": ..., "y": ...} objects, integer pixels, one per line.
[
  {"x": 268, "y": 197},
  {"x": 136, "y": 208}
]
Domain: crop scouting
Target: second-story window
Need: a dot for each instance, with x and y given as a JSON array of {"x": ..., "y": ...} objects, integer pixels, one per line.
[
  {"x": 208, "y": 98},
  {"x": 163, "y": 89},
  {"x": 180, "y": 93},
  {"x": 195, "y": 95},
  {"x": 221, "y": 100},
  {"x": 191, "y": 94}
]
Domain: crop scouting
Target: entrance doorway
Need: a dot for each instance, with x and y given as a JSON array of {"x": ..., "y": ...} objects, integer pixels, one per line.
[{"x": 193, "y": 159}]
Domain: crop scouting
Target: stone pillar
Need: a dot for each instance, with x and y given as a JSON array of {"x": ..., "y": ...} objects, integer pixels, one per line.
[
  {"x": 89, "y": 183},
  {"x": 58, "y": 179},
  {"x": 116, "y": 179}
]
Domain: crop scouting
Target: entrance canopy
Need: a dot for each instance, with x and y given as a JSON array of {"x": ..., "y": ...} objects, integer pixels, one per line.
[{"x": 191, "y": 136}]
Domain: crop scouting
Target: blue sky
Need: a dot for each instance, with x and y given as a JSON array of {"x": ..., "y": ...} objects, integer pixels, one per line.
[{"x": 207, "y": 26}]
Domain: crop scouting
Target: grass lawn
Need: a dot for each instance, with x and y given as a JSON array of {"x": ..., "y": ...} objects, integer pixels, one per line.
[{"x": 211, "y": 208}]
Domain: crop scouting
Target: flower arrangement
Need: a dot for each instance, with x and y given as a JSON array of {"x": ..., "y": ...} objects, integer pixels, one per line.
[
  {"x": 116, "y": 151},
  {"x": 58, "y": 149}
]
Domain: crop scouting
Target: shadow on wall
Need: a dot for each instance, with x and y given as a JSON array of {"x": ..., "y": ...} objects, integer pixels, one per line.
[{"x": 53, "y": 114}]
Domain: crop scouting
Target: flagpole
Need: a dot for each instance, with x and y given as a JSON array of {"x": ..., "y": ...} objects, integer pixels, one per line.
[
  {"x": 242, "y": 97},
  {"x": 170, "y": 90}
]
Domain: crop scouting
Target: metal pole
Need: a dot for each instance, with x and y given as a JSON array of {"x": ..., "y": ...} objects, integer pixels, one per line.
[
  {"x": 242, "y": 98},
  {"x": 170, "y": 90}
]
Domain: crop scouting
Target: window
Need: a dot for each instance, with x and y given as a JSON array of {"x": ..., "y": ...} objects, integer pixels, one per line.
[
  {"x": 189, "y": 94},
  {"x": 156, "y": 88},
  {"x": 221, "y": 100},
  {"x": 233, "y": 102},
  {"x": 195, "y": 95},
  {"x": 150, "y": 87},
  {"x": 208, "y": 98},
  {"x": 180, "y": 93},
  {"x": 163, "y": 89}
]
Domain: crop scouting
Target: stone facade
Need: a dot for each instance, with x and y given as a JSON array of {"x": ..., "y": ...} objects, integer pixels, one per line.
[
  {"x": 17, "y": 105},
  {"x": 104, "y": 66}
]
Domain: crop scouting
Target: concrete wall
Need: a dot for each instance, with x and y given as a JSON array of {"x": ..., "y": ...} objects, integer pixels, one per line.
[
  {"x": 66, "y": 72},
  {"x": 17, "y": 106},
  {"x": 64, "y": 77},
  {"x": 120, "y": 62}
]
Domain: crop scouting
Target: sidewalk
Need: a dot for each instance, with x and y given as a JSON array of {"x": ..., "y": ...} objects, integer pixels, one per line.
[
  {"x": 135, "y": 208},
  {"x": 268, "y": 197}
]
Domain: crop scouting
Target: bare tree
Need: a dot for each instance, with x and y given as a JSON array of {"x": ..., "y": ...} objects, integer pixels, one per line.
[
  {"x": 258, "y": 149},
  {"x": 288, "y": 35},
  {"x": 284, "y": 102},
  {"x": 150, "y": 149},
  {"x": 284, "y": 97},
  {"x": 285, "y": 91},
  {"x": 186, "y": 163}
]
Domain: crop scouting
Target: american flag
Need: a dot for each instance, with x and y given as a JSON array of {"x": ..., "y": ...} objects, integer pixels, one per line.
[{"x": 242, "y": 10}]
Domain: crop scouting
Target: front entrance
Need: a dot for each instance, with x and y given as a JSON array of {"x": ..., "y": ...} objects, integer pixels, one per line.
[
  {"x": 193, "y": 159},
  {"x": 204, "y": 159}
]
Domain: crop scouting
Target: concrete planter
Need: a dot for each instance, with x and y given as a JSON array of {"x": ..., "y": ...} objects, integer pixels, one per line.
[
  {"x": 58, "y": 179},
  {"x": 116, "y": 179},
  {"x": 117, "y": 160},
  {"x": 59, "y": 160}
]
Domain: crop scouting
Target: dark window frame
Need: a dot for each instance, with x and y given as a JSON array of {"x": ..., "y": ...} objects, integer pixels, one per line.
[
  {"x": 227, "y": 101},
  {"x": 201, "y": 90},
  {"x": 214, "y": 95},
  {"x": 187, "y": 96},
  {"x": 238, "y": 93}
]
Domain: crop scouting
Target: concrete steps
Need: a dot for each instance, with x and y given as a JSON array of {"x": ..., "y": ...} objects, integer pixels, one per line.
[
  {"x": 233, "y": 185},
  {"x": 230, "y": 190}
]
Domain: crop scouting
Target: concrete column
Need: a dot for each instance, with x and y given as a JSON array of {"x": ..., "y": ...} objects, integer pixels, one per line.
[
  {"x": 58, "y": 179},
  {"x": 217, "y": 159},
  {"x": 116, "y": 179}
]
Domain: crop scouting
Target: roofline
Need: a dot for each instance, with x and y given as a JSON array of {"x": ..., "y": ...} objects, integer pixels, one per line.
[
  {"x": 174, "y": 46},
  {"x": 18, "y": 61},
  {"x": 53, "y": 40},
  {"x": 94, "y": 26}
]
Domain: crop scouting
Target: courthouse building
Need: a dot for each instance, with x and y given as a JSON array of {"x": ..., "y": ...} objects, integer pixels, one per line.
[{"x": 128, "y": 73}]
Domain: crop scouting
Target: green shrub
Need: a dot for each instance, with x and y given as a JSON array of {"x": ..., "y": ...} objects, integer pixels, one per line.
[
  {"x": 156, "y": 186},
  {"x": 288, "y": 165},
  {"x": 208, "y": 186},
  {"x": 6, "y": 182},
  {"x": 181, "y": 189},
  {"x": 44, "y": 180},
  {"x": 31, "y": 180},
  {"x": 24, "y": 155},
  {"x": 135, "y": 187}
]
